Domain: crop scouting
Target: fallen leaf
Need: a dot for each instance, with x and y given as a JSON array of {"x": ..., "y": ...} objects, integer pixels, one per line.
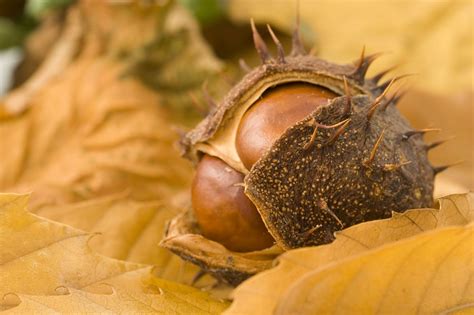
[
  {"x": 129, "y": 230},
  {"x": 260, "y": 294},
  {"x": 90, "y": 131},
  {"x": 39, "y": 257},
  {"x": 430, "y": 273},
  {"x": 94, "y": 142},
  {"x": 186, "y": 299},
  {"x": 90, "y": 126},
  {"x": 82, "y": 302},
  {"x": 122, "y": 222},
  {"x": 92, "y": 147},
  {"x": 168, "y": 298}
]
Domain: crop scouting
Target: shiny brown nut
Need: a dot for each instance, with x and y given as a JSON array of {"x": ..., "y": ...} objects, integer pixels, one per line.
[{"x": 223, "y": 211}]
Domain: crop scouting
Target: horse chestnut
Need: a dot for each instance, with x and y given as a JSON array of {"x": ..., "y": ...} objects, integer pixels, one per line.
[
  {"x": 223, "y": 211},
  {"x": 318, "y": 146}
]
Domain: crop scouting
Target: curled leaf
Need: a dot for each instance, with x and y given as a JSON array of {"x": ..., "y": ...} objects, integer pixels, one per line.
[
  {"x": 129, "y": 230},
  {"x": 430, "y": 273},
  {"x": 41, "y": 258},
  {"x": 39, "y": 255},
  {"x": 168, "y": 298}
]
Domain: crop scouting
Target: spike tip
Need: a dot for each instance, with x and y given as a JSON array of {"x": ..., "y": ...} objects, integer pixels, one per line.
[
  {"x": 280, "y": 50},
  {"x": 260, "y": 45}
]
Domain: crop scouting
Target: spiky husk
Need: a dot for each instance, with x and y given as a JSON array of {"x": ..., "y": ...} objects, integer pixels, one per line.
[
  {"x": 375, "y": 166},
  {"x": 353, "y": 160}
]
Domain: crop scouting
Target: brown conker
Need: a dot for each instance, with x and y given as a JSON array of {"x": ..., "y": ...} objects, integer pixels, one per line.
[
  {"x": 223, "y": 211},
  {"x": 277, "y": 110}
]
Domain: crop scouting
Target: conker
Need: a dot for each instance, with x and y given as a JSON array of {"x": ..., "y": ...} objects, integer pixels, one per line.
[
  {"x": 223, "y": 211},
  {"x": 276, "y": 111}
]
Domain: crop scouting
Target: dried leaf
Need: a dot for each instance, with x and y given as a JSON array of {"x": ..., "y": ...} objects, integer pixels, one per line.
[
  {"x": 39, "y": 257},
  {"x": 129, "y": 230},
  {"x": 167, "y": 298},
  {"x": 81, "y": 302},
  {"x": 260, "y": 294},
  {"x": 95, "y": 143},
  {"x": 430, "y": 273},
  {"x": 93, "y": 127},
  {"x": 112, "y": 137}
]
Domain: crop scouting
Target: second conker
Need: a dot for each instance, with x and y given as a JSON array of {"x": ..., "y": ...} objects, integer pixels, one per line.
[{"x": 223, "y": 211}]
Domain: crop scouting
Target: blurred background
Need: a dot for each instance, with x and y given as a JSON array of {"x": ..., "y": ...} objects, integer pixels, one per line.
[{"x": 432, "y": 39}]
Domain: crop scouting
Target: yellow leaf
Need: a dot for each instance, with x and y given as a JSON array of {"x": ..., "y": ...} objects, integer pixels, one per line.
[
  {"x": 168, "y": 298},
  {"x": 39, "y": 257},
  {"x": 90, "y": 126},
  {"x": 430, "y": 273},
  {"x": 94, "y": 142},
  {"x": 120, "y": 140},
  {"x": 129, "y": 230},
  {"x": 185, "y": 299},
  {"x": 260, "y": 294},
  {"x": 79, "y": 302}
]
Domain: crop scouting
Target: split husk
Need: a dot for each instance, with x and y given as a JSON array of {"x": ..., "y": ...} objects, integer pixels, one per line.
[{"x": 355, "y": 159}]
